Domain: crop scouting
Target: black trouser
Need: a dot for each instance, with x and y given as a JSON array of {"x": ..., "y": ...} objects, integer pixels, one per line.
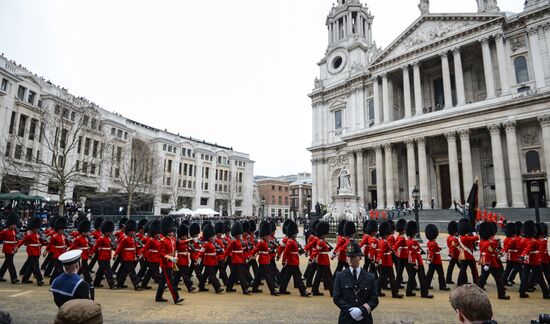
[
  {"x": 116, "y": 264},
  {"x": 440, "y": 275},
  {"x": 537, "y": 273},
  {"x": 194, "y": 267},
  {"x": 46, "y": 261},
  {"x": 93, "y": 262},
  {"x": 366, "y": 265},
  {"x": 340, "y": 266},
  {"x": 294, "y": 272},
  {"x": 386, "y": 273},
  {"x": 24, "y": 268},
  {"x": 264, "y": 272},
  {"x": 33, "y": 268},
  {"x": 183, "y": 273},
  {"x": 254, "y": 265},
  {"x": 373, "y": 269},
  {"x": 237, "y": 274},
  {"x": 546, "y": 272},
  {"x": 323, "y": 273},
  {"x": 50, "y": 266},
  {"x": 85, "y": 270},
  {"x": 309, "y": 276},
  {"x": 210, "y": 274},
  {"x": 104, "y": 268},
  {"x": 223, "y": 273},
  {"x": 515, "y": 271},
  {"x": 497, "y": 275},
  {"x": 57, "y": 270},
  {"x": 450, "y": 268},
  {"x": 152, "y": 272},
  {"x": 167, "y": 278},
  {"x": 128, "y": 268},
  {"x": 510, "y": 266},
  {"x": 463, "y": 276},
  {"x": 401, "y": 265},
  {"x": 411, "y": 283},
  {"x": 9, "y": 266},
  {"x": 143, "y": 267},
  {"x": 275, "y": 271}
]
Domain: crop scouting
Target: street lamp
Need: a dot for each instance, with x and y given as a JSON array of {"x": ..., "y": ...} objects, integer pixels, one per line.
[
  {"x": 535, "y": 189},
  {"x": 416, "y": 196},
  {"x": 263, "y": 208}
]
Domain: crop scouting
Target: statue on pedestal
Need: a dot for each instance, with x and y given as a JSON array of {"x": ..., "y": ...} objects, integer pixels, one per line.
[
  {"x": 348, "y": 214},
  {"x": 344, "y": 182},
  {"x": 424, "y": 7},
  {"x": 362, "y": 212}
]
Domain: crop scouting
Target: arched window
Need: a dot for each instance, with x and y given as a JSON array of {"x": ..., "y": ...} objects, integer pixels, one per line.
[
  {"x": 373, "y": 177},
  {"x": 533, "y": 161},
  {"x": 522, "y": 73},
  {"x": 371, "y": 110}
]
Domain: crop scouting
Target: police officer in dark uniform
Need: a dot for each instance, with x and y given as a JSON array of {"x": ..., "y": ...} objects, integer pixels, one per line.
[{"x": 355, "y": 291}]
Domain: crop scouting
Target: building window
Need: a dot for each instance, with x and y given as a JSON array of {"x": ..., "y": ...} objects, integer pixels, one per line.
[
  {"x": 4, "y": 86},
  {"x": 32, "y": 129},
  {"x": 8, "y": 148},
  {"x": 30, "y": 98},
  {"x": 533, "y": 161},
  {"x": 125, "y": 135},
  {"x": 22, "y": 124},
  {"x": 113, "y": 131},
  {"x": 373, "y": 177},
  {"x": 84, "y": 167},
  {"x": 206, "y": 172},
  {"x": 118, "y": 154},
  {"x": 28, "y": 156},
  {"x": 87, "y": 144},
  {"x": 119, "y": 133},
  {"x": 18, "y": 152},
  {"x": 370, "y": 106},
  {"x": 204, "y": 201},
  {"x": 21, "y": 93},
  {"x": 63, "y": 142},
  {"x": 12, "y": 122},
  {"x": 57, "y": 110},
  {"x": 92, "y": 168},
  {"x": 338, "y": 119},
  {"x": 280, "y": 200},
  {"x": 73, "y": 115},
  {"x": 273, "y": 199},
  {"x": 85, "y": 120},
  {"x": 168, "y": 181},
  {"x": 94, "y": 123},
  {"x": 522, "y": 73},
  {"x": 94, "y": 149}
]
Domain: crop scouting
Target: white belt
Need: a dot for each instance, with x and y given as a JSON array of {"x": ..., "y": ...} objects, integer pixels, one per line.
[
  {"x": 10, "y": 242},
  {"x": 60, "y": 246},
  {"x": 387, "y": 253},
  {"x": 104, "y": 248},
  {"x": 327, "y": 253},
  {"x": 214, "y": 254},
  {"x": 534, "y": 252},
  {"x": 154, "y": 251},
  {"x": 512, "y": 251},
  {"x": 401, "y": 247},
  {"x": 264, "y": 252},
  {"x": 293, "y": 252},
  {"x": 237, "y": 251},
  {"x": 183, "y": 253},
  {"x": 35, "y": 244},
  {"x": 129, "y": 249},
  {"x": 83, "y": 248},
  {"x": 436, "y": 253}
]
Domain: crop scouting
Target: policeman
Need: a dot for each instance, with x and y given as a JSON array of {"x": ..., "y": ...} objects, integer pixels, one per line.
[
  {"x": 355, "y": 291},
  {"x": 69, "y": 285}
]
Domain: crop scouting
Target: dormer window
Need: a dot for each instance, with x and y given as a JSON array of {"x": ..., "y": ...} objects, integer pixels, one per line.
[{"x": 338, "y": 119}]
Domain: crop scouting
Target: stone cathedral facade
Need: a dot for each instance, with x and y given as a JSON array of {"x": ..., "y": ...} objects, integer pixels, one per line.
[{"x": 454, "y": 97}]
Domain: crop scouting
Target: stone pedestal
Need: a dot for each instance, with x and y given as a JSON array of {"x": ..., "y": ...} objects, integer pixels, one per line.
[{"x": 341, "y": 201}]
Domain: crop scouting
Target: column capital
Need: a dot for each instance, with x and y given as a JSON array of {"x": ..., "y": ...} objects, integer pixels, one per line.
[
  {"x": 484, "y": 40},
  {"x": 533, "y": 30},
  {"x": 420, "y": 140},
  {"x": 405, "y": 68},
  {"x": 416, "y": 64},
  {"x": 499, "y": 36},
  {"x": 494, "y": 129},
  {"x": 451, "y": 136},
  {"x": 443, "y": 54},
  {"x": 378, "y": 149},
  {"x": 387, "y": 147},
  {"x": 456, "y": 50},
  {"x": 464, "y": 133},
  {"x": 544, "y": 120},
  {"x": 546, "y": 27},
  {"x": 409, "y": 142},
  {"x": 510, "y": 126},
  {"x": 384, "y": 75}
]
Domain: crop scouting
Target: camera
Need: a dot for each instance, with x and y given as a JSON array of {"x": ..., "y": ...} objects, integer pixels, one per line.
[{"x": 543, "y": 318}]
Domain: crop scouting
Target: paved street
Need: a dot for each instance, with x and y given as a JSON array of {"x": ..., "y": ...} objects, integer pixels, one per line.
[{"x": 32, "y": 304}]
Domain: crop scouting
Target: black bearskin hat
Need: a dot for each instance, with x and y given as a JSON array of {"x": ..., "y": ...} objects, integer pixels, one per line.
[
  {"x": 323, "y": 228},
  {"x": 452, "y": 227},
  {"x": 12, "y": 219},
  {"x": 401, "y": 225},
  {"x": 544, "y": 229},
  {"x": 141, "y": 224},
  {"x": 236, "y": 229},
  {"x": 107, "y": 226},
  {"x": 392, "y": 226},
  {"x": 227, "y": 226},
  {"x": 464, "y": 226},
  {"x": 265, "y": 229},
  {"x": 60, "y": 223},
  {"x": 84, "y": 226},
  {"x": 183, "y": 229},
  {"x": 273, "y": 226},
  {"x": 411, "y": 229},
  {"x": 131, "y": 226},
  {"x": 208, "y": 231},
  {"x": 167, "y": 225},
  {"x": 385, "y": 229},
  {"x": 154, "y": 228},
  {"x": 349, "y": 229},
  {"x": 219, "y": 227},
  {"x": 519, "y": 227},
  {"x": 97, "y": 223},
  {"x": 194, "y": 229},
  {"x": 122, "y": 222},
  {"x": 203, "y": 225},
  {"x": 36, "y": 222},
  {"x": 246, "y": 226},
  {"x": 540, "y": 231},
  {"x": 372, "y": 227},
  {"x": 510, "y": 229},
  {"x": 341, "y": 225},
  {"x": 529, "y": 229},
  {"x": 292, "y": 229},
  {"x": 431, "y": 231},
  {"x": 485, "y": 230},
  {"x": 285, "y": 225},
  {"x": 251, "y": 226}
]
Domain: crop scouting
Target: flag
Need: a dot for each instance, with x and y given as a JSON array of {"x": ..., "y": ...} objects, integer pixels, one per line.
[{"x": 473, "y": 205}]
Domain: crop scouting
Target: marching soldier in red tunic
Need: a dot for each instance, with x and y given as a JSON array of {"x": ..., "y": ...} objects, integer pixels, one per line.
[
  {"x": 182, "y": 250},
  {"x": 400, "y": 248},
  {"x": 415, "y": 263},
  {"x": 34, "y": 244},
  {"x": 235, "y": 250},
  {"x": 8, "y": 236},
  {"x": 81, "y": 242},
  {"x": 220, "y": 251},
  {"x": 323, "y": 261},
  {"x": 434, "y": 258},
  {"x": 488, "y": 259},
  {"x": 119, "y": 235},
  {"x": 209, "y": 259},
  {"x": 510, "y": 249},
  {"x": 58, "y": 245},
  {"x": 103, "y": 250},
  {"x": 364, "y": 244},
  {"x": 194, "y": 247},
  {"x": 127, "y": 250},
  {"x": 293, "y": 263},
  {"x": 454, "y": 252},
  {"x": 340, "y": 249},
  {"x": 311, "y": 253},
  {"x": 385, "y": 262},
  {"x": 152, "y": 253},
  {"x": 168, "y": 261},
  {"x": 531, "y": 260},
  {"x": 466, "y": 242},
  {"x": 264, "y": 271},
  {"x": 372, "y": 229},
  {"x": 96, "y": 234},
  {"x": 142, "y": 237}
]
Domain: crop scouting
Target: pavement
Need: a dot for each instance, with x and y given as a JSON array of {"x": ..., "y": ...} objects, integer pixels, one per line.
[{"x": 32, "y": 304}]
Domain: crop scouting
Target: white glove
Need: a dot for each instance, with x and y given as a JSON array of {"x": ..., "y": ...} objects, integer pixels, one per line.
[
  {"x": 356, "y": 313},
  {"x": 486, "y": 268}
]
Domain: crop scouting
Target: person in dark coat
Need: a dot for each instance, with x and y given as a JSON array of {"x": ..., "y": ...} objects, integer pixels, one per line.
[{"x": 355, "y": 291}]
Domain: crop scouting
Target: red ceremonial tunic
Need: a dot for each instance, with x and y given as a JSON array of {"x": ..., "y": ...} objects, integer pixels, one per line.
[
  {"x": 182, "y": 248},
  {"x": 34, "y": 243},
  {"x": 152, "y": 250},
  {"x": 323, "y": 253},
  {"x": 81, "y": 243},
  {"x": 510, "y": 247},
  {"x": 103, "y": 248},
  {"x": 400, "y": 247},
  {"x": 468, "y": 242},
  {"x": 384, "y": 253},
  {"x": 235, "y": 250},
  {"x": 58, "y": 245},
  {"x": 291, "y": 250},
  {"x": 262, "y": 248},
  {"x": 167, "y": 247},
  {"x": 10, "y": 240},
  {"x": 434, "y": 252},
  {"x": 208, "y": 254},
  {"x": 126, "y": 248},
  {"x": 415, "y": 256}
]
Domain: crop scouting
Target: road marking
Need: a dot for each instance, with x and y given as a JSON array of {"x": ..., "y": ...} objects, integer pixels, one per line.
[
  {"x": 21, "y": 294},
  {"x": 9, "y": 290}
]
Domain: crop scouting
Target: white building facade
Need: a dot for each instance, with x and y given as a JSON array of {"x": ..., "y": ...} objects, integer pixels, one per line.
[
  {"x": 190, "y": 173},
  {"x": 454, "y": 97}
]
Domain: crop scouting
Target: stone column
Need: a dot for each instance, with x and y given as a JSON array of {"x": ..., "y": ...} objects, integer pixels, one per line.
[
  {"x": 325, "y": 183},
  {"x": 353, "y": 178},
  {"x": 350, "y": 25},
  {"x": 446, "y": 80},
  {"x": 453, "y": 166},
  {"x": 358, "y": 24},
  {"x": 411, "y": 167},
  {"x": 423, "y": 169},
  {"x": 376, "y": 100},
  {"x": 386, "y": 97},
  {"x": 515, "y": 167},
  {"x": 498, "y": 164},
  {"x": 488, "y": 68},
  {"x": 534, "y": 47},
  {"x": 315, "y": 182},
  {"x": 417, "y": 89},
  {"x": 544, "y": 121},
  {"x": 360, "y": 177},
  {"x": 407, "y": 91},
  {"x": 380, "y": 188},
  {"x": 459, "y": 78},
  {"x": 502, "y": 64},
  {"x": 467, "y": 172},
  {"x": 547, "y": 35},
  {"x": 390, "y": 194}
]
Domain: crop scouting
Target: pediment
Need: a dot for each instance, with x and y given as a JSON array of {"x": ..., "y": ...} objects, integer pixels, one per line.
[
  {"x": 337, "y": 104},
  {"x": 432, "y": 28}
]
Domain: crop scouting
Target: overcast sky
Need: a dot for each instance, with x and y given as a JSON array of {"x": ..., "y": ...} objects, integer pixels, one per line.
[{"x": 232, "y": 72}]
